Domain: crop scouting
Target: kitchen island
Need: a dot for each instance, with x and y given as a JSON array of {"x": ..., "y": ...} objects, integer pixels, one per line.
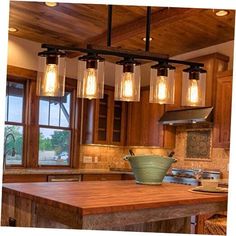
[{"x": 107, "y": 205}]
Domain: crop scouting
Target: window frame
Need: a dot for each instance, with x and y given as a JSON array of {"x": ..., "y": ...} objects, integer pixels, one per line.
[
  {"x": 69, "y": 128},
  {"x": 23, "y": 123},
  {"x": 31, "y": 120}
]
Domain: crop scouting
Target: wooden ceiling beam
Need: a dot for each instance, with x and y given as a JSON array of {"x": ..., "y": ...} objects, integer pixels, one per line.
[
  {"x": 160, "y": 18},
  {"x": 138, "y": 27}
]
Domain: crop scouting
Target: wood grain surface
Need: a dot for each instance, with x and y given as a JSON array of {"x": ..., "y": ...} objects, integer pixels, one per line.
[
  {"x": 174, "y": 30},
  {"x": 96, "y": 197}
]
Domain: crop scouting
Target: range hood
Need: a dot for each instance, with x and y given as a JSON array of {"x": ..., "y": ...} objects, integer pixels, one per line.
[{"x": 187, "y": 116}]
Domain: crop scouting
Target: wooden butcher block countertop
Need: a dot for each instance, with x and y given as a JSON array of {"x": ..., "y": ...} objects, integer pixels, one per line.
[{"x": 94, "y": 197}]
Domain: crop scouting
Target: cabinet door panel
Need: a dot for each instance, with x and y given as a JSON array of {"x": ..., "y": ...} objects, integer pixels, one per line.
[
  {"x": 118, "y": 121},
  {"x": 143, "y": 127},
  {"x": 152, "y": 131},
  {"x": 104, "y": 120},
  {"x": 134, "y": 124},
  {"x": 101, "y": 120},
  {"x": 222, "y": 114}
]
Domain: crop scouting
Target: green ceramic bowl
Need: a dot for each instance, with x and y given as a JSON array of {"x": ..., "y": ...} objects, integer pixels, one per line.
[{"x": 149, "y": 169}]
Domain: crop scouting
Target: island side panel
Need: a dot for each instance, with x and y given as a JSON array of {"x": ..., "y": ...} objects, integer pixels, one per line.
[
  {"x": 180, "y": 225},
  {"x": 122, "y": 219},
  {"x": 20, "y": 210},
  {"x": 8, "y": 208},
  {"x": 28, "y": 213}
]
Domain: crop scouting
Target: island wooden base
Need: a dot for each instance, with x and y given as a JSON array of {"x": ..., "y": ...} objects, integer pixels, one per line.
[{"x": 23, "y": 212}]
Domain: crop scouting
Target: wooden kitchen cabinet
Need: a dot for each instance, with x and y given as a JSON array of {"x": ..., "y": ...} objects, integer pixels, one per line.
[
  {"x": 213, "y": 63},
  {"x": 19, "y": 178},
  {"x": 143, "y": 128},
  {"x": 222, "y": 112},
  {"x": 105, "y": 120}
]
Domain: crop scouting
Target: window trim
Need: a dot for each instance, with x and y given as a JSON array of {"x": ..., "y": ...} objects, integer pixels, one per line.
[{"x": 31, "y": 124}]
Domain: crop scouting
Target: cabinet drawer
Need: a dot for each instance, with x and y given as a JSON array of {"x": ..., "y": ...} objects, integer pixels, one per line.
[
  {"x": 24, "y": 178},
  {"x": 101, "y": 177},
  {"x": 64, "y": 178}
]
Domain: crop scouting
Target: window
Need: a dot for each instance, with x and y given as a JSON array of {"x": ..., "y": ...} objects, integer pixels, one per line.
[
  {"x": 14, "y": 123},
  {"x": 40, "y": 131},
  {"x": 54, "y": 130}
]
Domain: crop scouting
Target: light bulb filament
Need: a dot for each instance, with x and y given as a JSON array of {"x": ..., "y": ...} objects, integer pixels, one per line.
[
  {"x": 193, "y": 93},
  {"x": 127, "y": 91},
  {"x": 51, "y": 77},
  {"x": 91, "y": 82},
  {"x": 162, "y": 89}
]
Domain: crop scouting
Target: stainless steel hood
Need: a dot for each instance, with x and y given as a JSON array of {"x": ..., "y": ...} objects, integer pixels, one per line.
[{"x": 187, "y": 116}]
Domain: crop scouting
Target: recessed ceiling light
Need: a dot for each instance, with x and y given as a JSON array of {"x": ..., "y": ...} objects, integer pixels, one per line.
[
  {"x": 222, "y": 13},
  {"x": 12, "y": 29},
  {"x": 144, "y": 39},
  {"x": 51, "y": 4}
]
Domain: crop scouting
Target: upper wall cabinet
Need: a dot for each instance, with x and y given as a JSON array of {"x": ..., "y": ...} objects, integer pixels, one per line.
[
  {"x": 222, "y": 113},
  {"x": 104, "y": 120},
  {"x": 143, "y": 128},
  {"x": 213, "y": 63}
]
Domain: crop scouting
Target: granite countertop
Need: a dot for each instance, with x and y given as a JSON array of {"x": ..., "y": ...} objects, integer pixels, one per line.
[{"x": 24, "y": 171}]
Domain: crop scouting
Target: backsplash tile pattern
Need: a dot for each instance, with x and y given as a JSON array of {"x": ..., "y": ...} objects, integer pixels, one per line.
[
  {"x": 112, "y": 156},
  {"x": 198, "y": 144},
  {"x": 219, "y": 158}
]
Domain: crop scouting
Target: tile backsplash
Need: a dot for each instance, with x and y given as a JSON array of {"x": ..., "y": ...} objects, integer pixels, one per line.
[
  {"x": 219, "y": 157},
  {"x": 112, "y": 156},
  {"x": 106, "y": 156}
]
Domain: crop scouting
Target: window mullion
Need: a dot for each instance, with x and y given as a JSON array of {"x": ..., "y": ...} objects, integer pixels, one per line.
[
  {"x": 7, "y": 101},
  {"x": 60, "y": 113},
  {"x": 49, "y": 111}
]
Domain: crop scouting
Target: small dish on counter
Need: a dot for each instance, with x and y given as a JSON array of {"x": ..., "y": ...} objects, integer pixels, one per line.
[
  {"x": 210, "y": 183},
  {"x": 209, "y": 189}
]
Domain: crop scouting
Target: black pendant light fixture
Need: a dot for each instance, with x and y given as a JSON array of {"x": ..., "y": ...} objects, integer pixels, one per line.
[
  {"x": 127, "y": 80},
  {"x": 194, "y": 86},
  {"x": 51, "y": 76},
  {"x": 91, "y": 76},
  {"x": 51, "y": 73},
  {"x": 162, "y": 83}
]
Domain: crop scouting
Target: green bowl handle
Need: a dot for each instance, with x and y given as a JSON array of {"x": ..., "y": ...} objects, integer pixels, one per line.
[
  {"x": 174, "y": 160},
  {"x": 126, "y": 158}
]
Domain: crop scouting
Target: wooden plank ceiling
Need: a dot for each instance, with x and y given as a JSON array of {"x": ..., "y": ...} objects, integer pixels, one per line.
[{"x": 174, "y": 30}]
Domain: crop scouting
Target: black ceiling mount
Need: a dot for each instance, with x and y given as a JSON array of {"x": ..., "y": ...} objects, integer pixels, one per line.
[
  {"x": 109, "y": 24},
  {"x": 148, "y": 28},
  {"x": 52, "y": 52}
]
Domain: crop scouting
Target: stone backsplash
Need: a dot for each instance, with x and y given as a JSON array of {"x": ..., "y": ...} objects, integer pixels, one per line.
[
  {"x": 112, "y": 156},
  {"x": 218, "y": 159}
]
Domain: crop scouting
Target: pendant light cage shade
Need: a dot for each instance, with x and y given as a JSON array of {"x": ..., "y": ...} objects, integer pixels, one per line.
[
  {"x": 51, "y": 73},
  {"x": 162, "y": 84},
  {"x": 194, "y": 87},
  {"x": 127, "y": 81},
  {"x": 90, "y": 82}
]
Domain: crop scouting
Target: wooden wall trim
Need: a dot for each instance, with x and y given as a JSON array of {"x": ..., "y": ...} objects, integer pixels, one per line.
[
  {"x": 23, "y": 73},
  {"x": 224, "y": 73},
  {"x": 20, "y": 72},
  {"x": 212, "y": 55}
]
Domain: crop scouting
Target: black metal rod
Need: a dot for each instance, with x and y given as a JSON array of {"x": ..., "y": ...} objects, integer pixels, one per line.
[
  {"x": 148, "y": 28},
  {"x": 121, "y": 53},
  {"x": 109, "y": 25}
]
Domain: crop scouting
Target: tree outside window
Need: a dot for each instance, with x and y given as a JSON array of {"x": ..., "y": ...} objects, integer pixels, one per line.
[{"x": 54, "y": 130}]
